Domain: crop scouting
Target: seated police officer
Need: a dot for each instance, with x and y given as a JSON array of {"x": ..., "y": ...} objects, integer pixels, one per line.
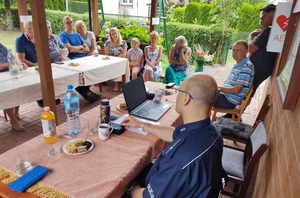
[{"x": 191, "y": 166}]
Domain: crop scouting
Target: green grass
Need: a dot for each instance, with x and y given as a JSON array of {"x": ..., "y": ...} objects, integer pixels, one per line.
[{"x": 8, "y": 38}]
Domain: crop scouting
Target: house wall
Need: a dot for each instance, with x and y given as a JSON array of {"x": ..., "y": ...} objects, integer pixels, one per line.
[
  {"x": 139, "y": 8},
  {"x": 279, "y": 170}
]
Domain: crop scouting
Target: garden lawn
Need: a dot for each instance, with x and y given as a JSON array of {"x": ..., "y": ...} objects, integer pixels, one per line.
[{"x": 8, "y": 38}]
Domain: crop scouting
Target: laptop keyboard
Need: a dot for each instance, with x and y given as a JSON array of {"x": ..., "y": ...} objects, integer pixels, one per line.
[{"x": 150, "y": 109}]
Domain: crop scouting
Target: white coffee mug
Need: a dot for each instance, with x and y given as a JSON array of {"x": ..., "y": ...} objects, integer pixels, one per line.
[{"x": 104, "y": 131}]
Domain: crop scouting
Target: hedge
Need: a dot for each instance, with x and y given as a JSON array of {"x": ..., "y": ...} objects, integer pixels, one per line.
[
  {"x": 78, "y": 6},
  {"x": 198, "y": 13},
  {"x": 209, "y": 38},
  {"x": 15, "y": 17},
  {"x": 179, "y": 14},
  {"x": 55, "y": 5},
  {"x": 248, "y": 17}
]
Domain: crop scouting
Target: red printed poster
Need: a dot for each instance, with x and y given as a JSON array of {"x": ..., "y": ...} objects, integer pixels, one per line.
[{"x": 279, "y": 27}]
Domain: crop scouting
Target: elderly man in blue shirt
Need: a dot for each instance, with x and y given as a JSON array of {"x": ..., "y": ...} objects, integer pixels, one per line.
[
  {"x": 25, "y": 47},
  {"x": 239, "y": 81},
  {"x": 191, "y": 166}
]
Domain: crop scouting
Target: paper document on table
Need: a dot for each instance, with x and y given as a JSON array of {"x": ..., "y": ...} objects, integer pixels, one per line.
[{"x": 136, "y": 130}]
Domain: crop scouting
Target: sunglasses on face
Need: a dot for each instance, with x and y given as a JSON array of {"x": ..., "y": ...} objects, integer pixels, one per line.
[{"x": 69, "y": 22}]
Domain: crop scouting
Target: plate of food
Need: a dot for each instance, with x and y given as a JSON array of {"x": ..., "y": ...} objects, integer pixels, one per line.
[
  {"x": 78, "y": 146},
  {"x": 74, "y": 64}
]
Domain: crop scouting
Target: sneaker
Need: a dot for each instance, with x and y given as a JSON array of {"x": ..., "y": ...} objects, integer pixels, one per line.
[{"x": 91, "y": 97}]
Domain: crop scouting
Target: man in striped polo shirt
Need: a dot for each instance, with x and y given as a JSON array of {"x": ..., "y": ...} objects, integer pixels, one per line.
[{"x": 239, "y": 80}]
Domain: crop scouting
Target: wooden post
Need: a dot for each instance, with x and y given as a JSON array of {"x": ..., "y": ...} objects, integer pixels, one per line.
[
  {"x": 153, "y": 14},
  {"x": 42, "y": 49},
  {"x": 22, "y": 11},
  {"x": 95, "y": 17}
]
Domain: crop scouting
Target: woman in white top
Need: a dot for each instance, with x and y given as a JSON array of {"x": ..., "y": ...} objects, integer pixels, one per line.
[
  {"x": 153, "y": 54},
  {"x": 88, "y": 37}
]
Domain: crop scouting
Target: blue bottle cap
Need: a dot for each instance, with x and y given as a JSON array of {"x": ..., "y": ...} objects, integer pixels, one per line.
[{"x": 70, "y": 87}]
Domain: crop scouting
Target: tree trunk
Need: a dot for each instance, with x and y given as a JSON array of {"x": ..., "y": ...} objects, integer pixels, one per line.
[{"x": 8, "y": 14}]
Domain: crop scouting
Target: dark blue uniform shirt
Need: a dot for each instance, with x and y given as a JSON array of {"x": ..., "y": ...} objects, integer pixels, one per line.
[
  {"x": 190, "y": 167},
  {"x": 23, "y": 45}
]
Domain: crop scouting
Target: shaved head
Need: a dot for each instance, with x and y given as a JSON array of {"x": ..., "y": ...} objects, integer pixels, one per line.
[{"x": 202, "y": 88}]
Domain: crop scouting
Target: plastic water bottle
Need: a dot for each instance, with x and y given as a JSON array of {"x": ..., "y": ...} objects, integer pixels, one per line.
[
  {"x": 71, "y": 104},
  {"x": 14, "y": 68}
]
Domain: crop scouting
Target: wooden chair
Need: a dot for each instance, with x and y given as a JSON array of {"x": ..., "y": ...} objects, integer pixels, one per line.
[
  {"x": 240, "y": 166},
  {"x": 238, "y": 137},
  {"x": 236, "y": 112}
]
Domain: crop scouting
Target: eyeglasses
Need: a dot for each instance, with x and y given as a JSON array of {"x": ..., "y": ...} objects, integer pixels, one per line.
[{"x": 185, "y": 92}]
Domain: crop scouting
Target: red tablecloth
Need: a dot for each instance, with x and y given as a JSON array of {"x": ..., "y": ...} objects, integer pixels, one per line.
[{"x": 105, "y": 172}]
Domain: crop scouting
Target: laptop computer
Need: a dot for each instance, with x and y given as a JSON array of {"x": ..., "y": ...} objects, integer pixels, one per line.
[{"x": 137, "y": 103}]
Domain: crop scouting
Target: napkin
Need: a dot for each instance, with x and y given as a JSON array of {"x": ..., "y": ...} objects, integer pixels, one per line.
[{"x": 28, "y": 179}]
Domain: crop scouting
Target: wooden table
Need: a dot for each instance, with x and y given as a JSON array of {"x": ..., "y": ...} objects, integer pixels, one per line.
[{"x": 105, "y": 172}]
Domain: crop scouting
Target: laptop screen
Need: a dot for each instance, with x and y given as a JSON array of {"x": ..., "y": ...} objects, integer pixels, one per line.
[{"x": 134, "y": 93}]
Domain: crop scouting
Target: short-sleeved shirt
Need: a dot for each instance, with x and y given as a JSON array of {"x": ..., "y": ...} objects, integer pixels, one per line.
[
  {"x": 263, "y": 61},
  {"x": 190, "y": 167},
  {"x": 24, "y": 45},
  {"x": 90, "y": 37},
  {"x": 115, "y": 50},
  {"x": 134, "y": 54},
  {"x": 73, "y": 39},
  {"x": 241, "y": 74},
  {"x": 55, "y": 45},
  {"x": 3, "y": 55}
]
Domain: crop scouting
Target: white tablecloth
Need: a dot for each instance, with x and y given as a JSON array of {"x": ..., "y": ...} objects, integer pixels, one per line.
[
  {"x": 26, "y": 88},
  {"x": 96, "y": 69}
]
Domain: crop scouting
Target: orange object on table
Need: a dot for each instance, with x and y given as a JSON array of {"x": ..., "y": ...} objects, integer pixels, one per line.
[
  {"x": 5, "y": 192},
  {"x": 105, "y": 172}
]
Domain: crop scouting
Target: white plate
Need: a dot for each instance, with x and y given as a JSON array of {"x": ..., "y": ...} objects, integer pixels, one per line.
[{"x": 65, "y": 150}]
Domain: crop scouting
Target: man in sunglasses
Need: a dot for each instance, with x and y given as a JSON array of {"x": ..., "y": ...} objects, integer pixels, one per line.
[{"x": 191, "y": 166}]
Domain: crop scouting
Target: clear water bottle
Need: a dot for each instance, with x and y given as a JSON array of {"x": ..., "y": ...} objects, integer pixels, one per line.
[
  {"x": 14, "y": 67},
  {"x": 72, "y": 106}
]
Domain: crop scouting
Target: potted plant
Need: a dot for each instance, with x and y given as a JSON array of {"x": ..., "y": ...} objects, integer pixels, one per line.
[{"x": 200, "y": 60}]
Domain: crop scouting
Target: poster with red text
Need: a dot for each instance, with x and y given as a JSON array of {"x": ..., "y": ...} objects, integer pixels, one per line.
[{"x": 279, "y": 27}]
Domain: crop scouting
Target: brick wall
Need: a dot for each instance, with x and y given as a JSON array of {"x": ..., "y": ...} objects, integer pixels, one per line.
[{"x": 279, "y": 171}]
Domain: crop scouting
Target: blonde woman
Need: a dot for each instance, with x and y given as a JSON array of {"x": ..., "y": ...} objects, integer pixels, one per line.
[
  {"x": 87, "y": 36},
  {"x": 153, "y": 54},
  {"x": 115, "y": 46},
  {"x": 135, "y": 58}
]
